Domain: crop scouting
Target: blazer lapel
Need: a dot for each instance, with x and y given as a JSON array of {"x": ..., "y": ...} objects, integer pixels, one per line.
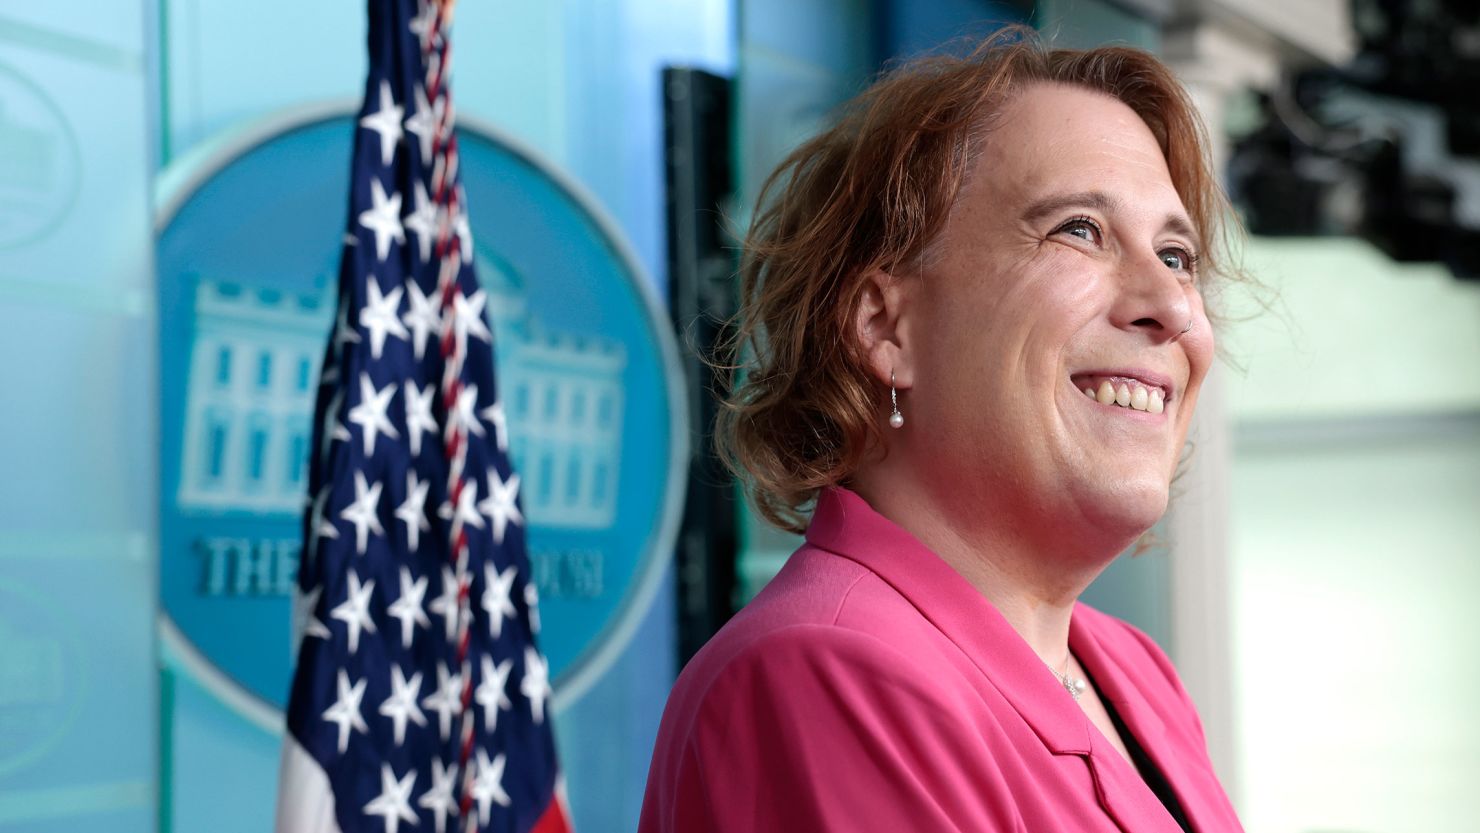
[
  {"x": 1124, "y": 795},
  {"x": 845, "y": 524},
  {"x": 1182, "y": 763}
]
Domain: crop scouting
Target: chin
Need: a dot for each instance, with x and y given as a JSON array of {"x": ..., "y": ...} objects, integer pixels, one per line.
[{"x": 1121, "y": 512}]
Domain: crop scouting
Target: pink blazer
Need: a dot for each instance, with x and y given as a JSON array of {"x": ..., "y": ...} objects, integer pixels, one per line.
[{"x": 869, "y": 687}]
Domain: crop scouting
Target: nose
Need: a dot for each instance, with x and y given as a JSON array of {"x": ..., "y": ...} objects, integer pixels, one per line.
[{"x": 1153, "y": 299}]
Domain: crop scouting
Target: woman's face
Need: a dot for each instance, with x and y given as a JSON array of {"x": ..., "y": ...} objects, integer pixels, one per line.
[{"x": 1066, "y": 266}]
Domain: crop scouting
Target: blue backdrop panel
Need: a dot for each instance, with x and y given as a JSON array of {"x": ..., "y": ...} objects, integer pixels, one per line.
[
  {"x": 76, "y": 700},
  {"x": 77, "y": 706}
]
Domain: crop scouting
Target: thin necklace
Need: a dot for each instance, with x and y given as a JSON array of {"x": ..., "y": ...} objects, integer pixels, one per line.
[{"x": 1075, "y": 685}]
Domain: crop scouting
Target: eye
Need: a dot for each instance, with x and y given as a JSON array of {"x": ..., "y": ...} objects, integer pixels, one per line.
[
  {"x": 1178, "y": 259},
  {"x": 1081, "y": 227}
]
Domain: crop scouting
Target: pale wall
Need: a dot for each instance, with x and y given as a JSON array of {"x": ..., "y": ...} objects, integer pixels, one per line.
[{"x": 1356, "y": 544}]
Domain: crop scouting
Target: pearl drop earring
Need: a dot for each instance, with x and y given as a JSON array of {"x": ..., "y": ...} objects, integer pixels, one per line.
[{"x": 896, "y": 419}]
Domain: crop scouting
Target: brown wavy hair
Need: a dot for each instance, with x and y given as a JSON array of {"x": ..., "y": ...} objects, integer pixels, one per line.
[{"x": 871, "y": 193}]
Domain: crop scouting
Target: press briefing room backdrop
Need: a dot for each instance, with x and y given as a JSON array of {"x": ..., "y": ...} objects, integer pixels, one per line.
[{"x": 173, "y": 184}]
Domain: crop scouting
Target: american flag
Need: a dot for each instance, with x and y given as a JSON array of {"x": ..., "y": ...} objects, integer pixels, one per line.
[{"x": 420, "y": 699}]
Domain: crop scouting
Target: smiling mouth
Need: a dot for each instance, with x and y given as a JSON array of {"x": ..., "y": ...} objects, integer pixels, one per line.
[{"x": 1127, "y": 392}]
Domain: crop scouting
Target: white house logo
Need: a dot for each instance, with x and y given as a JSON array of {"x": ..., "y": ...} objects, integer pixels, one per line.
[
  {"x": 39, "y": 161},
  {"x": 584, "y": 361},
  {"x": 42, "y": 680}
]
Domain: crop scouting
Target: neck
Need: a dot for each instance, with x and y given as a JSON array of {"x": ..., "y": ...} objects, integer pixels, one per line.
[{"x": 1033, "y": 583}]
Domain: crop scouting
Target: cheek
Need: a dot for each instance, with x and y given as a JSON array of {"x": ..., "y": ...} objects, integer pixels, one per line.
[
  {"x": 1200, "y": 347},
  {"x": 987, "y": 318},
  {"x": 1065, "y": 289},
  {"x": 1199, "y": 361},
  {"x": 1052, "y": 285},
  {"x": 1059, "y": 307}
]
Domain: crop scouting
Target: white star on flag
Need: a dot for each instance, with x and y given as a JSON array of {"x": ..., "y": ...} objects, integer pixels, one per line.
[
  {"x": 422, "y": 221},
  {"x": 421, "y": 23},
  {"x": 319, "y": 526},
  {"x": 383, "y": 219},
  {"x": 371, "y": 415},
  {"x": 494, "y": 415},
  {"x": 346, "y": 710},
  {"x": 488, "y": 786},
  {"x": 354, "y": 611},
  {"x": 419, "y": 418},
  {"x": 380, "y": 317},
  {"x": 464, "y": 230},
  {"x": 422, "y": 316},
  {"x": 467, "y": 507},
  {"x": 413, "y": 511},
  {"x": 496, "y": 590},
  {"x": 307, "y": 615},
  {"x": 407, "y": 607},
  {"x": 438, "y": 798},
  {"x": 500, "y": 506},
  {"x": 333, "y": 430},
  {"x": 536, "y": 682},
  {"x": 464, "y": 410},
  {"x": 339, "y": 434},
  {"x": 394, "y": 802},
  {"x": 387, "y": 122},
  {"x": 446, "y": 605},
  {"x": 343, "y": 332},
  {"x": 491, "y": 694},
  {"x": 364, "y": 512},
  {"x": 467, "y": 317},
  {"x": 446, "y": 701},
  {"x": 401, "y": 705},
  {"x": 421, "y": 124}
]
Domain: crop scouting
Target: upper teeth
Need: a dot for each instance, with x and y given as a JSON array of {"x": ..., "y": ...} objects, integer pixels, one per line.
[{"x": 1128, "y": 395}]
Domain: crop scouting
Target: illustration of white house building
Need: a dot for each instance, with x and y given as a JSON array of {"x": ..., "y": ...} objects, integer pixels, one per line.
[
  {"x": 253, "y": 374},
  {"x": 563, "y": 395},
  {"x": 249, "y": 399}
]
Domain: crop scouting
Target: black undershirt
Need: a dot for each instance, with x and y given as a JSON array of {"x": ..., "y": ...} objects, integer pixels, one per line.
[{"x": 1148, "y": 769}]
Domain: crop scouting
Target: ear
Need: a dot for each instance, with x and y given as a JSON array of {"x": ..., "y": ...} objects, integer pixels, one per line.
[{"x": 881, "y": 326}]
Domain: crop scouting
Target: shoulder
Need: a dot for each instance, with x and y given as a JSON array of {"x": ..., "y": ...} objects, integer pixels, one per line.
[
  {"x": 836, "y": 725},
  {"x": 818, "y": 598},
  {"x": 818, "y": 727},
  {"x": 800, "y": 666},
  {"x": 823, "y": 619}
]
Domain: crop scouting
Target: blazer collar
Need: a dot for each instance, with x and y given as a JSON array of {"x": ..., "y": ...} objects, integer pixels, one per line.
[
  {"x": 1197, "y": 789},
  {"x": 845, "y": 524},
  {"x": 1124, "y": 793}
]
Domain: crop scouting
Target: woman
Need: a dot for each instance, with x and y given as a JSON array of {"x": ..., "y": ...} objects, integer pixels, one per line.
[{"x": 976, "y": 307}]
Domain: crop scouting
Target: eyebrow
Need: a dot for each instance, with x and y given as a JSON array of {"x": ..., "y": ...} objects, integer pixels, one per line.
[{"x": 1103, "y": 203}]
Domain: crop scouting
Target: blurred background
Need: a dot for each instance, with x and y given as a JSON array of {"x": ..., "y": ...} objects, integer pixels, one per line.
[{"x": 173, "y": 181}]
